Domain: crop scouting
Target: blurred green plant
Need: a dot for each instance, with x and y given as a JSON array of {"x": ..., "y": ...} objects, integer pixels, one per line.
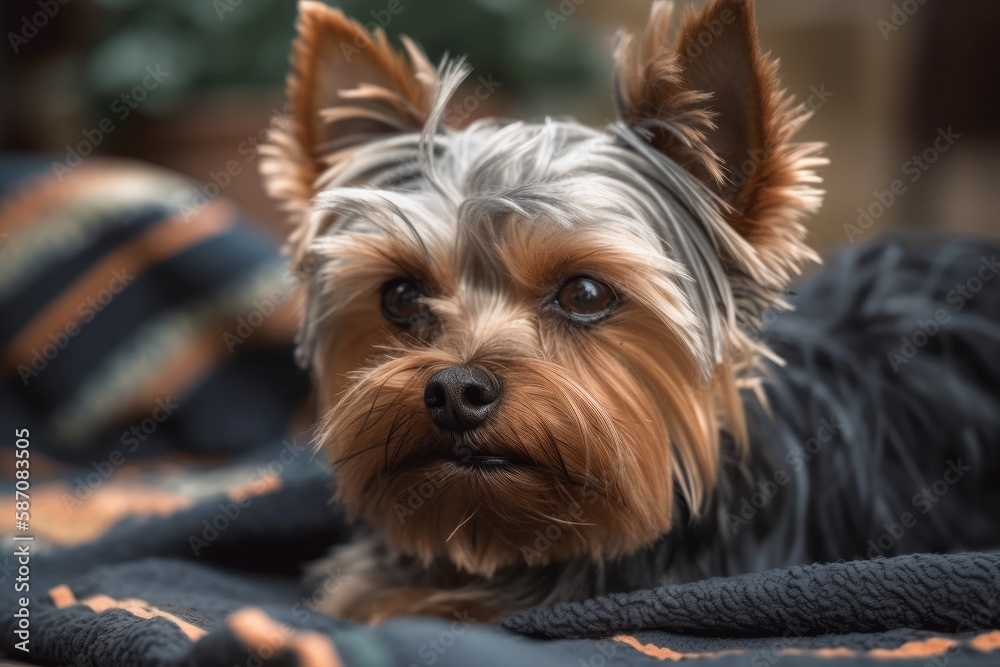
[{"x": 208, "y": 45}]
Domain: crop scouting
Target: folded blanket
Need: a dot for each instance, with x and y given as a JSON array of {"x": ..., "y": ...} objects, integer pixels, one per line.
[
  {"x": 175, "y": 500},
  {"x": 139, "y": 317},
  {"x": 218, "y": 584}
]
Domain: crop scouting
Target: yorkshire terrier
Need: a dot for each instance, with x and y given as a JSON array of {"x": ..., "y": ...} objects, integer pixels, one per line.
[{"x": 536, "y": 346}]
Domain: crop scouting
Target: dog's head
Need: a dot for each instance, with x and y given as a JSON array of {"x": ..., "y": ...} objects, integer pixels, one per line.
[{"x": 527, "y": 336}]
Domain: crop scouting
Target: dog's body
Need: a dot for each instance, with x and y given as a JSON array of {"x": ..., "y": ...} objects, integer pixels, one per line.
[{"x": 537, "y": 348}]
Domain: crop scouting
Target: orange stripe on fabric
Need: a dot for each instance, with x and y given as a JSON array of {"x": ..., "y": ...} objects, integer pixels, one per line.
[
  {"x": 142, "y": 609},
  {"x": 63, "y": 518},
  {"x": 196, "y": 360},
  {"x": 174, "y": 378},
  {"x": 62, "y": 596},
  {"x": 663, "y": 653},
  {"x": 156, "y": 244},
  {"x": 986, "y": 642},
  {"x": 839, "y": 652},
  {"x": 258, "y": 487},
  {"x": 265, "y": 637},
  {"x": 924, "y": 648},
  {"x": 31, "y": 199}
]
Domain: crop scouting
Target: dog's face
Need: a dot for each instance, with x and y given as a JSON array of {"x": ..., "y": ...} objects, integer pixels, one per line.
[{"x": 528, "y": 337}]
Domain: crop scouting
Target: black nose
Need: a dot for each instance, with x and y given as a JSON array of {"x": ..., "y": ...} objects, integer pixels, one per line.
[{"x": 461, "y": 398}]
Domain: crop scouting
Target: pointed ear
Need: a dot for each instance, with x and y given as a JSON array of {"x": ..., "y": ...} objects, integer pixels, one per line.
[
  {"x": 709, "y": 99},
  {"x": 345, "y": 87}
]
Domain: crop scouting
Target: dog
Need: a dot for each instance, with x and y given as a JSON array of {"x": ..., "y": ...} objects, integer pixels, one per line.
[{"x": 537, "y": 347}]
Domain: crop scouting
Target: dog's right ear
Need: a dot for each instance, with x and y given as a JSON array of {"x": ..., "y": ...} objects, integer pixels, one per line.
[
  {"x": 704, "y": 95},
  {"x": 345, "y": 87}
]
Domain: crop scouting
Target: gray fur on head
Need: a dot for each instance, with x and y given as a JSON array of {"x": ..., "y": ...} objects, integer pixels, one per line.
[{"x": 440, "y": 181}]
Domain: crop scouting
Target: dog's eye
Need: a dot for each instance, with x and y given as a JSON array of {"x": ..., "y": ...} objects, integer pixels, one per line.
[
  {"x": 586, "y": 300},
  {"x": 401, "y": 301}
]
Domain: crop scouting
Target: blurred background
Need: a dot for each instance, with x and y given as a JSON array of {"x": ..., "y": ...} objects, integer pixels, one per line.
[
  {"x": 137, "y": 348},
  {"x": 886, "y": 78}
]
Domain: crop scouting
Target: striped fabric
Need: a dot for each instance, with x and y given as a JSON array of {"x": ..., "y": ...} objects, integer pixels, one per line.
[
  {"x": 134, "y": 317},
  {"x": 136, "y": 323}
]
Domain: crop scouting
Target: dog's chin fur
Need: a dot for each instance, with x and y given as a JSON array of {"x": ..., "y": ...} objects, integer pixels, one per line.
[{"x": 611, "y": 429}]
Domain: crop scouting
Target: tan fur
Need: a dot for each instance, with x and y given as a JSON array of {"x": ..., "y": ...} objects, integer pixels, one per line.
[
  {"x": 578, "y": 406},
  {"x": 609, "y": 422},
  {"x": 345, "y": 86},
  {"x": 734, "y": 123}
]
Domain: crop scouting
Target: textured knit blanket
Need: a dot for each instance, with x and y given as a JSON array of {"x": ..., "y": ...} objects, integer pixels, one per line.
[{"x": 174, "y": 499}]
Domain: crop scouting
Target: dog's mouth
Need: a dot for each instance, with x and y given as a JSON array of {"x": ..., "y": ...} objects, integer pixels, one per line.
[
  {"x": 487, "y": 461},
  {"x": 469, "y": 460}
]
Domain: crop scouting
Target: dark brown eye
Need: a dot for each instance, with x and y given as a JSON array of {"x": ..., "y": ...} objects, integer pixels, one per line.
[
  {"x": 586, "y": 300},
  {"x": 401, "y": 302}
]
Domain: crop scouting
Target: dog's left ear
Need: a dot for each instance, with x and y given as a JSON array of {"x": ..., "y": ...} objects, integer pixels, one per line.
[
  {"x": 346, "y": 87},
  {"x": 704, "y": 95}
]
